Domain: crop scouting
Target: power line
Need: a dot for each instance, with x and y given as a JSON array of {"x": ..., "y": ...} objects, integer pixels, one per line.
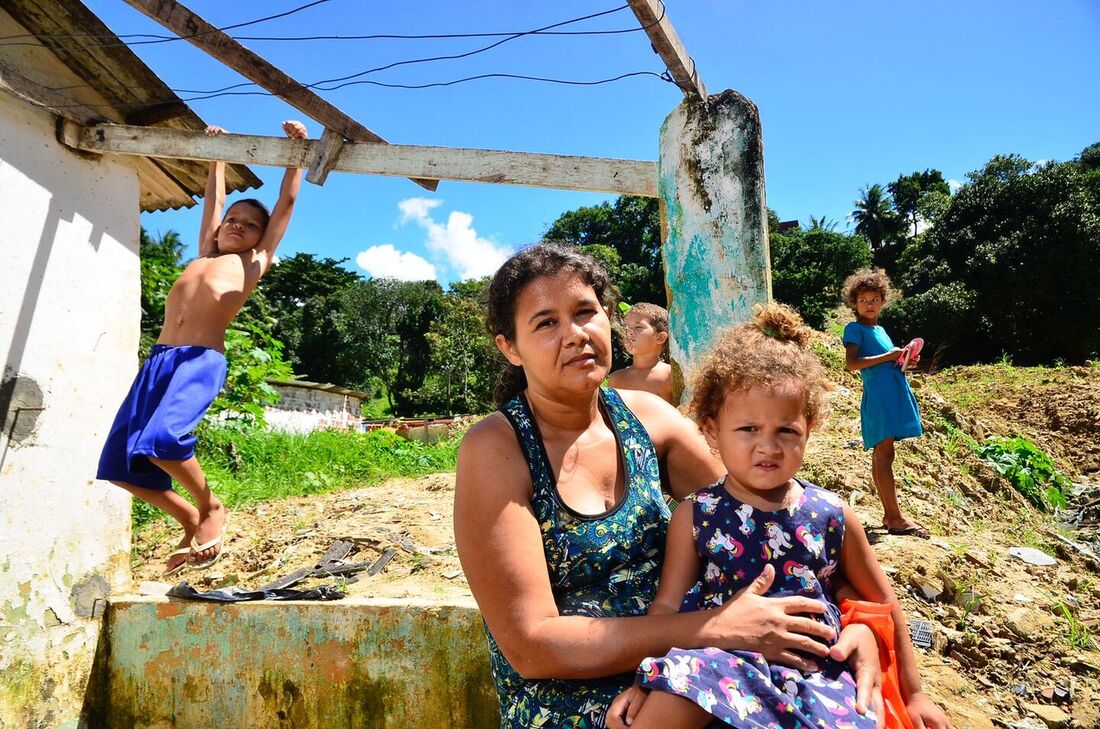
[
  {"x": 356, "y": 79},
  {"x": 437, "y": 84},
  {"x": 483, "y": 49},
  {"x": 324, "y": 84},
  {"x": 155, "y": 38}
]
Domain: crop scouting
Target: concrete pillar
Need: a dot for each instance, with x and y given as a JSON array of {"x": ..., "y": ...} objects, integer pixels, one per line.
[
  {"x": 714, "y": 223},
  {"x": 69, "y": 320}
]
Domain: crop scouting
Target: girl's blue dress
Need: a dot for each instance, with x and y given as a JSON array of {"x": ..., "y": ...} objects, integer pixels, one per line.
[{"x": 888, "y": 408}]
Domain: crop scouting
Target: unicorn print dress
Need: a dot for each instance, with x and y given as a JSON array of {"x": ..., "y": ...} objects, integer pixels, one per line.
[{"x": 734, "y": 542}]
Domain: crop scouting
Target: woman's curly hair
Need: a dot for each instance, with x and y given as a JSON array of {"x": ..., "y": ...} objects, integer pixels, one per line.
[
  {"x": 769, "y": 351},
  {"x": 866, "y": 279}
]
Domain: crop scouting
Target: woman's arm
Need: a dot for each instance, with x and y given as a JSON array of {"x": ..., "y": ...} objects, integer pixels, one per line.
[
  {"x": 213, "y": 201},
  {"x": 861, "y": 568},
  {"x": 854, "y": 362},
  {"x": 500, "y": 546},
  {"x": 280, "y": 215}
]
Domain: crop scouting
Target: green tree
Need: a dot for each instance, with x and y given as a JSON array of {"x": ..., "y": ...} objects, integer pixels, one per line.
[
  {"x": 160, "y": 267},
  {"x": 1009, "y": 267},
  {"x": 908, "y": 190},
  {"x": 1089, "y": 159},
  {"x": 303, "y": 291},
  {"x": 464, "y": 361},
  {"x": 383, "y": 326},
  {"x": 823, "y": 223},
  {"x": 252, "y": 356},
  {"x": 632, "y": 227},
  {"x": 809, "y": 266},
  {"x": 873, "y": 217}
]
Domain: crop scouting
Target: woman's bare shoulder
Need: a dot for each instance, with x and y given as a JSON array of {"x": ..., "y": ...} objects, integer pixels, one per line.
[
  {"x": 491, "y": 452},
  {"x": 656, "y": 414}
]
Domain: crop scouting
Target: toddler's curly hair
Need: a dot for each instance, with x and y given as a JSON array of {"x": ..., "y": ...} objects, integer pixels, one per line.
[
  {"x": 770, "y": 351},
  {"x": 866, "y": 279}
]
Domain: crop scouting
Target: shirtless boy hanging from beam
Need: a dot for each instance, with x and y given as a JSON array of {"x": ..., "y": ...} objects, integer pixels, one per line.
[{"x": 152, "y": 441}]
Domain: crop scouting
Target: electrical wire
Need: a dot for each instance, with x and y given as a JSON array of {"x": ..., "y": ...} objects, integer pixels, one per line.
[
  {"x": 369, "y": 82},
  {"x": 155, "y": 38},
  {"x": 356, "y": 79}
]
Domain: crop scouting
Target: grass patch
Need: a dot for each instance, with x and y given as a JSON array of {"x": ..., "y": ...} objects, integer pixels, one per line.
[{"x": 248, "y": 465}]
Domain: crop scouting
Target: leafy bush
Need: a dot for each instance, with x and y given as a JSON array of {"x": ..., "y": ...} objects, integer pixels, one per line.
[
  {"x": 945, "y": 314},
  {"x": 1028, "y": 469},
  {"x": 809, "y": 267},
  {"x": 1020, "y": 244}
]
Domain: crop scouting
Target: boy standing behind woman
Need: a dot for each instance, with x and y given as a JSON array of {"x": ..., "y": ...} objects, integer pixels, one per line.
[{"x": 645, "y": 337}]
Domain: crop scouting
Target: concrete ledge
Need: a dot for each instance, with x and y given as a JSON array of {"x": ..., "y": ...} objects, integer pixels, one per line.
[{"x": 352, "y": 663}]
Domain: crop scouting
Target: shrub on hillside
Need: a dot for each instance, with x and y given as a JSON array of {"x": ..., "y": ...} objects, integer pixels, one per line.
[
  {"x": 1015, "y": 257},
  {"x": 809, "y": 266}
]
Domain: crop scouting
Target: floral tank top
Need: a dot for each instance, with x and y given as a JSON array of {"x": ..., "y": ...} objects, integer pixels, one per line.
[{"x": 602, "y": 565}]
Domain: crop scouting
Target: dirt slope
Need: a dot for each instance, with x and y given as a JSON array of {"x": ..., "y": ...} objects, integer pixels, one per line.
[{"x": 1002, "y": 638}]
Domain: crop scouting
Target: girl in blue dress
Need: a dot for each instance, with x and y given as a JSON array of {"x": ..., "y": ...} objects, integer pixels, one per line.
[
  {"x": 756, "y": 399},
  {"x": 888, "y": 410}
]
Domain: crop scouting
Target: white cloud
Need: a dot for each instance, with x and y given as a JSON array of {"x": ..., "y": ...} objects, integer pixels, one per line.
[
  {"x": 416, "y": 208},
  {"x": 385, "y": 261},
  {"x": 953, "y": 186},
  {"x": 456, "y": 242}
]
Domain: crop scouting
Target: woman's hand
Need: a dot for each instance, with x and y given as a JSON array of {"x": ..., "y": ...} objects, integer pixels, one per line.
[
  {"x": 213, "y": 131},
  {"x": 625, "y": 707},
  {"x": 772, "y": 626},
  {"x": 925, "y": 714},
  {"x": 858, "y": 648}
]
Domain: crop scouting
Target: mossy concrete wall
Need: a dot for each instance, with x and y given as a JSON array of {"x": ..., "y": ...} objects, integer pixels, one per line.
[
  {"x": 69, "y": 318},
  {"x": 306, "y": 665},
  {"x": 714, "y": 222}
]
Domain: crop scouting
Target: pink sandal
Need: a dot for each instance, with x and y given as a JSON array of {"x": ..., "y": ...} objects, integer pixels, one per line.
[{"x": 909, "y": 352}]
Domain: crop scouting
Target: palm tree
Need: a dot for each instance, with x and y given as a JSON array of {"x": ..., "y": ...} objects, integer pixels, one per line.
[
  {"x": 822, "y": 223},
  {"x": 873, "y": 217}
]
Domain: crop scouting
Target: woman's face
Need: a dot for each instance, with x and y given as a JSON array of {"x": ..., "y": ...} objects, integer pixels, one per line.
[{"x": 563, "y": 334}]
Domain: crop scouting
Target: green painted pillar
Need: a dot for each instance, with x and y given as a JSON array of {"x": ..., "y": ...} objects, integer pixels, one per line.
[{"x": 714, "y": 223}]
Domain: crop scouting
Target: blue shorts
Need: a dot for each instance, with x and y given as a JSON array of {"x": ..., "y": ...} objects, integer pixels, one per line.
[{"x": 170, "y": 394}]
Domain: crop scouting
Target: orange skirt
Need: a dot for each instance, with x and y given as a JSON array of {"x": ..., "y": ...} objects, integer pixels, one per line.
[{"x": 879, "y": 619}]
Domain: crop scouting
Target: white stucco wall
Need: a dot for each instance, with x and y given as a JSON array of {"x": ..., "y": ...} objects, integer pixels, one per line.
[
  {"x": 69, "y": 320},
  {"x": 303, "y": 410}
]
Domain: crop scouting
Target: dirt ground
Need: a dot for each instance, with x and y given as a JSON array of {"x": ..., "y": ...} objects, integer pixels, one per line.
[{"x": 1013, "y": 643}]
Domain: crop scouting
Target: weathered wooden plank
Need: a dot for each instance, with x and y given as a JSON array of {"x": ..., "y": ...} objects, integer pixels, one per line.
[
  {"x": 596, "y": 174},
  {"x": 652, "y": 15},
  {"x": 120, "y": 89},
  {"x": 255, "y": 68},
  {"x": 325, "y": 154}
]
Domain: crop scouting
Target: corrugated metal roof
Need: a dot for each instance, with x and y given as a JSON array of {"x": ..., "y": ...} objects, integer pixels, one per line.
[
  {"x": 323, "y": 386},
  {"x": 100, "y": 76}
]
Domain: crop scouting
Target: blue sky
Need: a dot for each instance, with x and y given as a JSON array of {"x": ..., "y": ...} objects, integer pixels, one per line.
[{"x": 849, "y": 93}]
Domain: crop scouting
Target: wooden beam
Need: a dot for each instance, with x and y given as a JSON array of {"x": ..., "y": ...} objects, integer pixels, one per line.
[
  {"x": 595, "y": 174},
  {"x": 325, "y": 155},
  {"x": 652, "y": 15},
  {"x": 196, "y": 31}
]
